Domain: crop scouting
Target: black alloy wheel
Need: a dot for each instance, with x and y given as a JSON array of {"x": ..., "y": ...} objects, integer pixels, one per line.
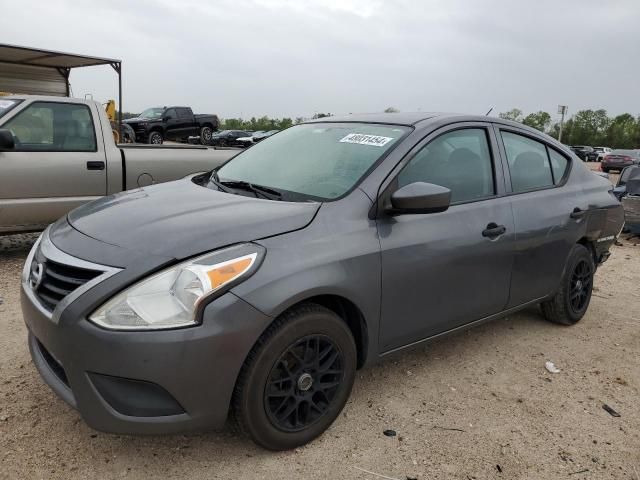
[
  {"x": 581, "y": 281},
  {"x": 303, "y": 383},
  {"x": 296, "y": 379},
  {"x": 569, "y": 304}
]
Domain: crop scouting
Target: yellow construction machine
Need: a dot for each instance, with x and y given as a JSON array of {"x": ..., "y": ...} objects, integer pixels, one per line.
[{"x": 128, "y": 135}]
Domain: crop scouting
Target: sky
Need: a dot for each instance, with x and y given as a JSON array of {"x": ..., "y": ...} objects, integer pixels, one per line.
[{"x": 295, "y": 58}]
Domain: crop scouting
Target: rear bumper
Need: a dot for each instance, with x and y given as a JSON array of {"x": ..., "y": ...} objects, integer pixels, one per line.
[{"x": 615, "y": 165}]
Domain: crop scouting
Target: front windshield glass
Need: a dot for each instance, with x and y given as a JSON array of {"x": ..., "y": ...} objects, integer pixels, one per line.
[
  {"x": 6, "y": 105},
  {"x": 152, "y": 113},
  {"x": 318, "y": 160}
]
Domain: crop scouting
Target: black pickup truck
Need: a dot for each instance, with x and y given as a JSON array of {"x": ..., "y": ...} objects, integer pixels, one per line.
[{"x": 157, "y": 124}]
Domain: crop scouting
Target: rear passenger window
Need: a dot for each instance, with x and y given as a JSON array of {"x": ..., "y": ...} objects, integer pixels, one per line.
[
  {"x": 559, "y": 164},
  {"x": 528, "y": 163},
  {"x": 459, "y": 160}
]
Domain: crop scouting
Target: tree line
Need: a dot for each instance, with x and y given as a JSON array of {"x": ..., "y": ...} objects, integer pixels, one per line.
[{"x": 585, "y": 127}]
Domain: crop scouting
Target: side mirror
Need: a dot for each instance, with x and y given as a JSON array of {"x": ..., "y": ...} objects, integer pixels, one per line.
[
  {"x": 7, "y": 142},
  {"x": 420, "y": 197}
]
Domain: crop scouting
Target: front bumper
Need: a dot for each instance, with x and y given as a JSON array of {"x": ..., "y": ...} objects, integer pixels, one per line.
[{"x": 146, "y": 382}]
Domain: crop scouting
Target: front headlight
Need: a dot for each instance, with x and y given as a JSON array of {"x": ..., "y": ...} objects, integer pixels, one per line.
[{"x": 170, "y": 298}]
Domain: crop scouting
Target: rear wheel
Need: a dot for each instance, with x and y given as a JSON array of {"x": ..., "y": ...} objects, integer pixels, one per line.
[
  {"x": 570, "y": 303},
  {"x": 297, "y": 378},
  {"x": 155, "y": 138},
  {"x": 605, "y": 170},
  {"x": 205, "y": 135}
]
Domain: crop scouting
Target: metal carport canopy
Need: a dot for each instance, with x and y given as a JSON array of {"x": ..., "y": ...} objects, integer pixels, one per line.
[{"x": 34, "y": 71}]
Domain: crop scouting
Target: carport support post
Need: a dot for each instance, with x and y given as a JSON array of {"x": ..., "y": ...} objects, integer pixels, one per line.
[
  {"x": 65, "y": 72},
  {"x": 118, "y": 68},
  {"x": 562, "y": 109}
]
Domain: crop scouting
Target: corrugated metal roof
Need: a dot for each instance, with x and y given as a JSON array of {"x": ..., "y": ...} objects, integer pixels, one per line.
[
  {"x": 34, "y": 71},
  {"x": 49, "y": 58},
  {"x": 32, "y": 80}
]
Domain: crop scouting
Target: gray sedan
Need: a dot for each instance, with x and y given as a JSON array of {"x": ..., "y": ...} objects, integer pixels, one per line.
[{"x": 260, "y": 288}]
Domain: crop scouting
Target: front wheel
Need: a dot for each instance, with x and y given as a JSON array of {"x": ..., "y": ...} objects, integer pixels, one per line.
[
  {"x": 297, "y": 378},
  {"x": 570, "y": 303},
  {"x": 155, "y": 138}
]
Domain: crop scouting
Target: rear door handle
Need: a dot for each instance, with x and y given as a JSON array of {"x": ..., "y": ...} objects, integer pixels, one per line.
[
  {"x": 95, "y": 165},
  {"x": 577, "y": 213},
  {"x": 494, "y": 230}
]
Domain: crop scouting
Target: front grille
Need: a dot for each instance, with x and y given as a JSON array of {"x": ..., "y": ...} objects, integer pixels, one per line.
[{"x": 52, "y": 281}]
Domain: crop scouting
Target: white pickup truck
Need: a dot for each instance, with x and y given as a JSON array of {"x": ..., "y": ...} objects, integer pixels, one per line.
[{"x": 57, "y": 153}]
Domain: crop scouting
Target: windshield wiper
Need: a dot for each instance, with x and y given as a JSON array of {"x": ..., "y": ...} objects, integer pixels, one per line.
[
  {"x": 229, "y": 185},
  {"x": 265, "y": 192},
  {"x": 216, "y": 181}
]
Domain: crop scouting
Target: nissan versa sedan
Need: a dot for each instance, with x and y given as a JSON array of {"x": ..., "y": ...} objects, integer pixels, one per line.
[{"x": 258, "y": 289}]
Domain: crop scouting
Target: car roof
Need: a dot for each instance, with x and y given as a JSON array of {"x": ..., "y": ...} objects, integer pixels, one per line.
[{"x": 414, "y": 118}]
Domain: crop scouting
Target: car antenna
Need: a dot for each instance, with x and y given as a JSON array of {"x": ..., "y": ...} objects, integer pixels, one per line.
[{"x": 490, "y": 110}]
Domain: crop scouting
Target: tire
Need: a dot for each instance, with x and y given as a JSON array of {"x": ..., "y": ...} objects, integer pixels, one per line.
[
  {"x": 571, "y": 302},
  {"x": 128, "y": 134},
  {"x": 206, "y": 133},
  {"x": 605, "y": 170},
  {"x": 155, "y": 138},
  {"x": 282, "y": 417}
]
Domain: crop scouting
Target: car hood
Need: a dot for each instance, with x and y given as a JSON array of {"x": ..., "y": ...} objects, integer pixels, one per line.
[
  {"x": 181, "y": 219},
  {"x": 140, "y": 119}
]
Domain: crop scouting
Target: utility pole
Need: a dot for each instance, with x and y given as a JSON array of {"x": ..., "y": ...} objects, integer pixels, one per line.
[{"x": 562, "y": 110}]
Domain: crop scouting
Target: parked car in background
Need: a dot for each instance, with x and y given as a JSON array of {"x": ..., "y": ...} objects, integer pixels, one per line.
[
  {"x": 158, "y": 124},
  {"x": 256, "y": 137},
  {"x": 628, "y": 192},
  {"x": 261, "y": 287},
  {"x": 582, "y": 151},
  {"x": 229, "y": 138},
  {"x": 263, "y": 135},
  {"x": 598, "y": 153},
  {"x": 57, "y": 153},
  {"x": 249, "y": 140},
  {"x": 619, "y": 159}
]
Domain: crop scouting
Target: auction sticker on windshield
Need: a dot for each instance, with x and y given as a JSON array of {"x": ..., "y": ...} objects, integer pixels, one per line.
[{"x": 362, "y": 139}]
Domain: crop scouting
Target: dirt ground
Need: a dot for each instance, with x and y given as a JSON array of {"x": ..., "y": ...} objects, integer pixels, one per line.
[{"x": 476, "y": 405}]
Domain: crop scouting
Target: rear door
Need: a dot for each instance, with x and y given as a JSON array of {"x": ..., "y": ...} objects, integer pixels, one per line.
[
  {"x": 58, "y": 163},
  {"x": 188, "y": 126},
  {"x": 443, "y": 270},
  {"x": 543, "y": 205}
]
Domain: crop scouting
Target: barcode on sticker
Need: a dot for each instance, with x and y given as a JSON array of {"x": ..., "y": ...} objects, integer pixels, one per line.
[{"x": 362, "y": 139}]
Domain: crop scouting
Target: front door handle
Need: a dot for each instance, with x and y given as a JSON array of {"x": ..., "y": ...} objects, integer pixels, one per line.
[
  {"x": 95, "y": 165},
  {"x": 494, "y": 230},
  {"x": 577, "y": 213}
]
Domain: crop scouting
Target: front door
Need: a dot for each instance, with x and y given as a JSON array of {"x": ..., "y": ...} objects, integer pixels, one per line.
[
  {"x": 443, "y": 270},
  {"x": 58, "y": 164},
  {"x": 173, "y": 128}
]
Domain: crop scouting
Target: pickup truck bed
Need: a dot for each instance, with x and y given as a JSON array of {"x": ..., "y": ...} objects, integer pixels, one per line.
[{"x": 65, "y": 155}]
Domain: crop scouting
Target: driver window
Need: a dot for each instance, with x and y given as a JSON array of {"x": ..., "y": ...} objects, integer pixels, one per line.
[
  {"x": 171, "y": 114},
  {"x": 459, "y": 160},
  {"x": 53, "y": 127}
]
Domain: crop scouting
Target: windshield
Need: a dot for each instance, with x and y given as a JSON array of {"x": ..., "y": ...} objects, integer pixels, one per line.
[
  {"x": 319, "y": 160},
  {"x": 152, "y": 113},
  {"x": 6, "y": 105}
]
